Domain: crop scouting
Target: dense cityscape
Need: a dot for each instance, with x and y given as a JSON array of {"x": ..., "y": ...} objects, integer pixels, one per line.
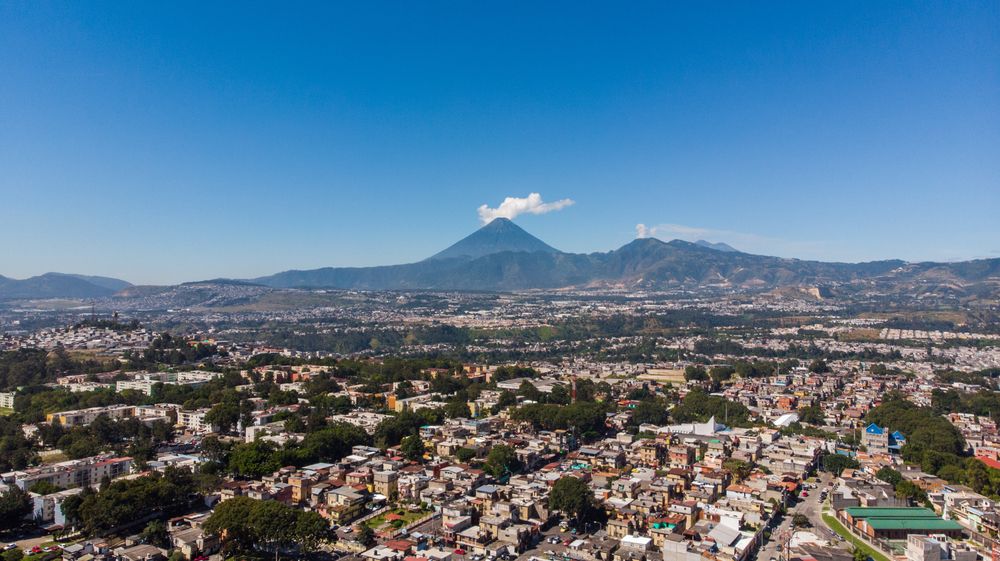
[
  {"x": 499, "y": 281},
  {"x": 585, "y": 426}
]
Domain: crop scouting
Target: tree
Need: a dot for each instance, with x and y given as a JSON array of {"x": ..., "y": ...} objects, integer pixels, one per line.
[
  {"x": 739, "y": 469},
  {"x": 837, "y": 463},
  {"x": 366, "y": 536},
  {"x": 812, "y": 415},
  {"x": 412, "y": 448},
  {"x": 573, "y": 497},
  {"x": 695, "y": 373},
  {"x": 650, "y": 412},
  {"x": 310, "y": 530},
  {"x": 800, "y": 521},
  {"x": 253, "y": 459},
  {"x": 910, "y": 491},
  {"x": 273, "y": 523},
  {"x": 890, "y": 476},
  {"x": 859, "y": 554},
  {"x": 15, "y": 504},
  {"x": 155, "y": 533},
  {"x": 231, "y": 522},
  {"x": 13, "y": 554},
  {"x": 721, "y": 373},
  {"x": 249, "y": 524},
  {"x": 527, "y": 390},
  {"x": 559, "y": 394},
  {"x": 457, "y": 409},
  {"x": 465, "y": 455},
  {"x": 224, "y": 415},
  {"x": 506, "y": 399},
  {"x": 819, "y": 366},
  {"x": 501, "y": 460}
]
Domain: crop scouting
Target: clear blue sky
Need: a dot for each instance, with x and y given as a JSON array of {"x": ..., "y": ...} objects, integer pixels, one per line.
[{"x": 174, "y": 141}]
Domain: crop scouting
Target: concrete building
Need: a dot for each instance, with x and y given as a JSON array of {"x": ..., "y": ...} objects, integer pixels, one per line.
[{"x": 73, "y": 473}]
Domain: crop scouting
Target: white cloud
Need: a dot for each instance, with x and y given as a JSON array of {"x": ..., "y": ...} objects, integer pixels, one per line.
[
  {"x": 742, "y": 241},
  {"x": 514, "y": 206}
]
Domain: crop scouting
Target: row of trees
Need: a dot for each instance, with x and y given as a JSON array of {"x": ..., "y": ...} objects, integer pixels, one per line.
[
  {"x": 247, "y": 526},
  {"x": 588, "y": 418},
  {"x": 123, "y": 502}
]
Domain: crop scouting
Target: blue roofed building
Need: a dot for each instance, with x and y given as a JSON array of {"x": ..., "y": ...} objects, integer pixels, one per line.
[{"x": 879, "y": 440}]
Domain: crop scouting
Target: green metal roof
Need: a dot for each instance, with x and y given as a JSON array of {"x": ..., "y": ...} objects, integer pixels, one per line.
[
  {"x": 908, "y": 513},
  {"x": 923, "y": 524}
]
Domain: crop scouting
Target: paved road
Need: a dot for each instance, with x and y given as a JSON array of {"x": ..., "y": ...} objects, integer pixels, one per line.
[{"x": 809, "y": 506}]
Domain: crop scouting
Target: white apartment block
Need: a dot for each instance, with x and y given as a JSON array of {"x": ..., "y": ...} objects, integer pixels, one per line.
[
  {"x": 80, "y": 417},
  {"x": 145, "y": 382},
  {"x": 85, "y": 472},
  {"x": 195, "y": 420},
  {"x": 7, "y": 400}
]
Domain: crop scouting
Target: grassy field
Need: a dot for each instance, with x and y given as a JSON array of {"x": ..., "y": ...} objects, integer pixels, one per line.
[
  {"x": 836, "y": 526},
  {"x": 4, "y": 411}
]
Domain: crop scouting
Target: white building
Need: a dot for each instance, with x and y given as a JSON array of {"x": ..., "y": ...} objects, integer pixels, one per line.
[{"x": 85, "y": 472}]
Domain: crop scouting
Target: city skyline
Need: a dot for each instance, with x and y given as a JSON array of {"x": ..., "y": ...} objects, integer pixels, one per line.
[{"x": 141, "y": 143}]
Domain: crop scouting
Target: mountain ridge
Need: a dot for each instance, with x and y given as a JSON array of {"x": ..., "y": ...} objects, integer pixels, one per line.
[
  {"x": 500, "y": 235},
  {"x": 502, "y": 257},
  {"x": 60, "y": 285}
]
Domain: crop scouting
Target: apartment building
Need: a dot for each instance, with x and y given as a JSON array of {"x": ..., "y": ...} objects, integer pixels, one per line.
[{"x": 73, "y": 473}]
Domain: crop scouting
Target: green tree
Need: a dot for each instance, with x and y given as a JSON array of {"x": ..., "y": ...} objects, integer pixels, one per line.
[
  {"x": 155, "y": 533},
  {"x": 502, "y": 459},
  {"x": 819, "y": 366},
  {"x": 890, "y": 476},
  {"x": 812, "y": 415},
  {"x": 412, "y": 448},
  {"x": 527, "y": 390},
  {"x": 800, "y": 521},
  {"x": 571, "y": 496},
  {"x": 910, "y": 491},
  {"x": 273, "y": 523},
  {"x": 559, "y": 394},
  {"x": 457, "y": 409},
  {"x": 740, "y": 469},
  {"x": 253, "y": 459},
  {"x": 837, "y": 463},
  {"x": 695, "y": 373},
  {"x": 230, "y": 521},
  {"x": 465, "y": 455},
  {"x": 15, "y": 504},
  {"x": 365, "y": 535},
  {"x": 650, "y": 412}
]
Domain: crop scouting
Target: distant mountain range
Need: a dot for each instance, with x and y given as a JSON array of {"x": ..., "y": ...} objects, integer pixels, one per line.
[
  {"x": 503, "y": 257},
  {"x": 60, "y": 285}
]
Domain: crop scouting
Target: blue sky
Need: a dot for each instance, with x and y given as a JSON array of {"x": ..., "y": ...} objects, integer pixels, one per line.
[{"x": 189, "y": 140}]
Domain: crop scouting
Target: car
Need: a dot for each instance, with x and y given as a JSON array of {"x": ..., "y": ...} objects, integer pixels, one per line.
[
  {"x": 805, "y": 493},
  {"x": 459, "y": 552},
  {"x": 10, "y": 546}
]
